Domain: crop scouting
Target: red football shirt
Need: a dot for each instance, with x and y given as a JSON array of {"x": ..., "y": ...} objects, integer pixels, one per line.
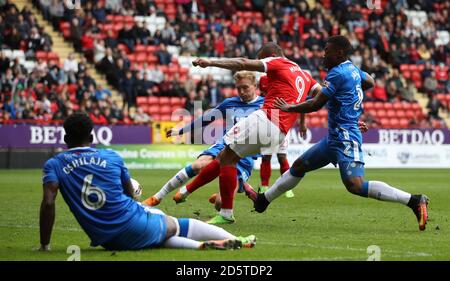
[{"x": 288, "y": 81}]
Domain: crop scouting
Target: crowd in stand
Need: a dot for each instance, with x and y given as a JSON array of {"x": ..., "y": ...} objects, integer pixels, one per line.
[{"x": 383, "y": 39}]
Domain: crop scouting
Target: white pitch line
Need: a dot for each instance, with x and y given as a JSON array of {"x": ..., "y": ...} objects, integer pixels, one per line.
[
  {"x": 37, "y": 227},
  {"x": 403, "y": 254}
]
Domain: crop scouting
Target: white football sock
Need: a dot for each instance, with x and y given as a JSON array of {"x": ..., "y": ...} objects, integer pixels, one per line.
[
  {"x": 177, "y": 181},
  {"x": 202, "y": 231},
  {"x": 182, "y": 242},
  {"x": 227, "y": 213},
  {"x": 384, "y": 192},
  {"x": 284, "y": 183}
]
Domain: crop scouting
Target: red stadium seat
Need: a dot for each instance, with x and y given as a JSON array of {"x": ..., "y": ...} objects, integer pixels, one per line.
[
  {"x": 404, "y": 123},
  {"x": 175, "y": 101},
  {"x": 166, "y": 109},
  {"x": 406, "y": 73},
  {"x": 41, "y": 55},
  {"x": 397, "y": 106},
  {"x": 166, "y": 117},
  {"x": 410, "y": 114},
  {"x": 391, "y": 113},
  {"x": 378, "y": 105},
  {"x": 156, "y": 117},
  {"x": 385, "y": 123},
  {"x": 404, "y": 67},
  {"x": 394, "y": 123},
  {"x": 368, "y": 105},
  {"x": 164, "y": 101},
  {"x": 400, "y": 113},
  {"x": 153, "y": 109},
  {"x": 141, "y": 101},
  {"x": 388, "y": 106},
  {"x": 153, "y": 101},
  {"x": 381, "y": 113}
]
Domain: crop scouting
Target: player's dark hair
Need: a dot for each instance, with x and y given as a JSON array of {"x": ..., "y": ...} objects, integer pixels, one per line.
[
  {"x": 78, "y": 128},
  {"x": 341, "y": 43},
  {"x": 271, "y": 48}
]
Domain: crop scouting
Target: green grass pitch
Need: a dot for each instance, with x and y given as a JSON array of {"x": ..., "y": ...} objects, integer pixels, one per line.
[{"x": 322, "y": 222}]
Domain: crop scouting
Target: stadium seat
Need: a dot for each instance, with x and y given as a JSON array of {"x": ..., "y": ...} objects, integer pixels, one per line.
[
  {"x": 404, "y": 123},
  {"x": 164, "y": 101},
  {"x": 400, "y": 113},
  {"x": 175, "y": 101},
  {"x": 41, "y": 55},
  {"x": 141, "y": 101},
  {"x": 153, "y": 109},
  {"x": 153, "y": 101},
  {"x": 165, "y": 109},
  {"x": 166, "y": 117},
  {"x": 368, "y": 105},
  {"x": 381, "y": 113},
  {"x": 395, "y": 123},
  {"x": 388, "y": 106},
  {"x": 391, "y": 113},
  {"x": 379, "y": 105}
]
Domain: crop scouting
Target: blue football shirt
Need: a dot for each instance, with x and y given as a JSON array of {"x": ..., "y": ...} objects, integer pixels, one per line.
[
  {"x": 344, "y": 91},
  {"x": 91, "y": 182}
]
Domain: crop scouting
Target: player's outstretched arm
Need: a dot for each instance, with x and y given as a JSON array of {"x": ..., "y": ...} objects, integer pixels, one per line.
[
  {"x": 310, "y": 105},
  {"x": 368, "y": 82},
  {"x": 47, "y": 214},
  {"x": 235, "y": 64},
  {"x": 303, "y": 128}
]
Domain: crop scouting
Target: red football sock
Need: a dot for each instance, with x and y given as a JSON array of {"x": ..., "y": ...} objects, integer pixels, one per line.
[
  {"x": 266, "y": 172},
  {"x": 206, "y": 175},
  {"x": 284, "y": 166},
  {"x": 228, "y": 183}
]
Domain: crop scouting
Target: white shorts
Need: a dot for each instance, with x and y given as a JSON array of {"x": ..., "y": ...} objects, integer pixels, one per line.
[
  {"x": 281, "y": 149},
  {"x": 250, "y": 134}
]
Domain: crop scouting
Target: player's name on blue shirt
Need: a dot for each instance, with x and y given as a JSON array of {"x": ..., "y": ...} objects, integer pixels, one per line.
[{"x": 84, "y": 161}]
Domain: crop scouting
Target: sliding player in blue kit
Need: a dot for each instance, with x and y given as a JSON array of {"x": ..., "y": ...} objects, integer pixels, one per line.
[
  {"x": 97, "y": 187},
  {"x": 343, "y": 94}
]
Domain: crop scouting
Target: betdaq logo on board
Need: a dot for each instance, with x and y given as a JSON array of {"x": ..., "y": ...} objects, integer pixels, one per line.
[
  {"x": 55, "y": 135},
  {"x": 426, "y": 137}
]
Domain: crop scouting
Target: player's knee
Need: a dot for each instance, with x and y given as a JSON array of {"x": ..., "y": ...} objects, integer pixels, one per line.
[
  {"x": 353, "y": 186},
  {"x": 172, "y": 226},
  {"x": 266, "y": 158},
  {"x": 200, "y": 164},
  {"x": 281, "y": 158},
  {"x": 298, "y": 168},
  {"x": 228, "y": 157}
]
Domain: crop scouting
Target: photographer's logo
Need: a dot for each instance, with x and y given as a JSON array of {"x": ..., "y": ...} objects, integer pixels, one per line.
[
  {"x": 373, "y": 4},
  {"x": 73, "y": 4}
]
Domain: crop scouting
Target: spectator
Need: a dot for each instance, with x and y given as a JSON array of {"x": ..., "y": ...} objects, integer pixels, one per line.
[
  {"x": 431, "y": 84},
  {"x": 433, "y": 106},
  {"x": 164, "y": 57},
  {"x": 141, "y": 117},
  {"x": 70, "y": 67},
  {"x": 127, "y": 90},
  {"x": 97, "y": 117},
  {"x": 214, "y": 94}
]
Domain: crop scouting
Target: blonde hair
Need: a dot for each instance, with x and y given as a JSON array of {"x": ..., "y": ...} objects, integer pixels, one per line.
[{"x": 245, "y": 75}]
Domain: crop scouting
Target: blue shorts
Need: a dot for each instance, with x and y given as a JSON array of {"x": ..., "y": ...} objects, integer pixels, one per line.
[
  {"x": 348, "y": 155},
  {"x": 148, "y": 231},
  {"x": 244, "y": 166}
]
